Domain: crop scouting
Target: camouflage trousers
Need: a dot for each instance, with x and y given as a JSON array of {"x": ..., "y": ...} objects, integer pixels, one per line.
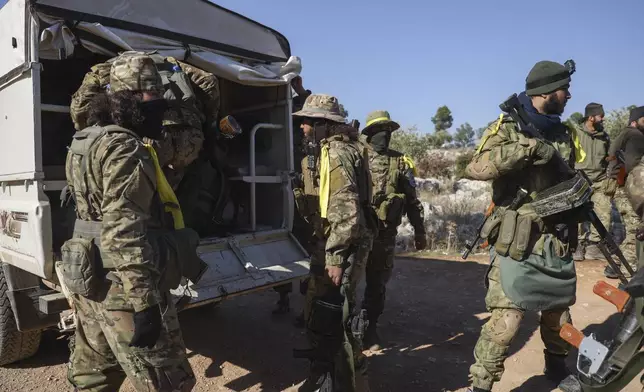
[
  {"x": 603, "y": 206},
  {"x": 102, "y": 357},
  {"x": 378, "y": 272},
  {"x": 631, "y": 223},
  {"x": 349, "y": 359},
  {"x": 498, "y": 332}
]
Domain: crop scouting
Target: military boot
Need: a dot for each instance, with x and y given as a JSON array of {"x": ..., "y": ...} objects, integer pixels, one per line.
[
  {"x": 570, "y": 384},
  {"x": 610, "y": 273},
  {"x": 556, "y": 369},
  {"x": 475, "y": 389},
  {"x": 580, "y": 252},
  {"x": 371, "y": 339},
  {"x": 319, "y": 380},
  {"x": 593, "y": 252}
]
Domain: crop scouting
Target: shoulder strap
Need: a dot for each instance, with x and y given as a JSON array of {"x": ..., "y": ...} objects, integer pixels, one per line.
[{"x": 496, "y": 130}]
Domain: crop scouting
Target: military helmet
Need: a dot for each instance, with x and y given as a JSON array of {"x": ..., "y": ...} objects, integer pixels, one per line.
[
  {"x": 135, "y": 71},
  {"x": 322, "y": 106},
  {"x": 548, "y": 76},
  {"x": 379, "y": 119}
]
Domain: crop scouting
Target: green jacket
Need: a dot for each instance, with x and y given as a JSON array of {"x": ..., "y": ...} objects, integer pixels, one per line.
[
  {"x": 595, "y": 145},
  {"x": 537, "y": 272}
]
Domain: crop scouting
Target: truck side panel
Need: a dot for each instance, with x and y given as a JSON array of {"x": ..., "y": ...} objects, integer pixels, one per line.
[{"x": 13, "y": 49}]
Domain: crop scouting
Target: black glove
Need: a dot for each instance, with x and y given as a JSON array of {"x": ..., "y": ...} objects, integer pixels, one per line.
[
  {"x": 147, "y": 327},
  {"x": 543, "y": 153}
]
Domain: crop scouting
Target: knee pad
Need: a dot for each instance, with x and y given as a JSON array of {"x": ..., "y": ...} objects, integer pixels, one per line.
[{"x": 504, "y": 327}]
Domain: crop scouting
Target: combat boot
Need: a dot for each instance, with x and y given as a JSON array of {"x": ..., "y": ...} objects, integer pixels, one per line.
[
  {"x": 319, "y": 380},
  {"x": 580, "y": 252},
  {"x": 570, "y": 384},
  {"x": 593, "y": 252},
  {"x": 371, "y": 339},
  {"x": 610, "y": 273},
  {"x": 475, "y": 389},
  {"x": 555, "y": 369}
]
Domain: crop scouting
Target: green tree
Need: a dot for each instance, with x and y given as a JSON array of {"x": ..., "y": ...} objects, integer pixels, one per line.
[
  {"x": 464, "y": 136},
  {"x": 577, "y": 117},
  {"x": 443, "y": 119},
  {"x": 616, "y": 120},
  {"x": 411, "y": 142},
  {"x": 480, "y": 132}
]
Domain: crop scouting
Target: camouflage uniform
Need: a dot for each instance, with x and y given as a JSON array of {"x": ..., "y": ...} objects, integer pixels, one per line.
[
  {"x": 595, "y": 145},
  {"x": 394, "y": 194},
  {"x": 342, "y": 239},
  {"x": 631, "y": 142},
  {"x": 531, "y": 267},
  {"x": 183, "y": 134},
  {"x": 115, "y": 185},
  {"x": 634, "y": 190}
]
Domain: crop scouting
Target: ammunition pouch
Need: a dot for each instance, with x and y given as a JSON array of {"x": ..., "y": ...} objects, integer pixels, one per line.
[
  {"x": 81, "y": 268},
  {"x": 490, "y": 228},
  {"x": 565, "y": 196},
  {"x": 522, "y": 237},
  {"x": 506, "y": 232},
  {"x": 390, "y": 209}
]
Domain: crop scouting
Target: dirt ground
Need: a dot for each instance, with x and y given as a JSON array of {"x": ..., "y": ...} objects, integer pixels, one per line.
[{"x": 434, "y": 313}]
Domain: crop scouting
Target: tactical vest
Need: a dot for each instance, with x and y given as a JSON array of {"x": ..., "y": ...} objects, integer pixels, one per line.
[
  {"x": 387, "y": 201},
  {"x": 83, "y": 267}
]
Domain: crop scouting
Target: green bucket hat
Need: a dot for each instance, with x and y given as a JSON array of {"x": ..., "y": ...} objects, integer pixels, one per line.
[
  {"x": 377, "y": 119},
  {"x": 546, "y": 77},
  {"x": 321, "y": 106}
]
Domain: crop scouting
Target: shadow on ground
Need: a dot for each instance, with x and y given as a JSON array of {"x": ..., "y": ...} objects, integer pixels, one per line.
[
  {"x": 53, "y": 350},
  {"x": 433, "y": 316}
]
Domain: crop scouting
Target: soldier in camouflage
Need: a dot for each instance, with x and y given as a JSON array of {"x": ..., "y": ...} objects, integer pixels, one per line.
[
  {"x": 631, "y": 143},
  {"x": 594, "y": 142},
  {"x": 334, "y": 200},
  {"x": 394, "y": 194},
  {"x": 193, "y": 95},
  {"x": 531, "y": 264},
  {"x": 128, "y": 326}
]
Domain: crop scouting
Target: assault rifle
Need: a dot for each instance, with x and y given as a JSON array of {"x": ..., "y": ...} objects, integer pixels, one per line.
[{"x": 569, "y": 195}]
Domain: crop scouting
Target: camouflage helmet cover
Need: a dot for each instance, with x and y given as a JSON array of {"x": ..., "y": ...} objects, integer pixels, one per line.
[
  {"x": 135, "y": 71},
  {"x": 321, "y": 106}
]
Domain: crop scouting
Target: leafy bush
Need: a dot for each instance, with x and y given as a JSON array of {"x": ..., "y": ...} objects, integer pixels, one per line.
[{"x": 461, "y": 163}]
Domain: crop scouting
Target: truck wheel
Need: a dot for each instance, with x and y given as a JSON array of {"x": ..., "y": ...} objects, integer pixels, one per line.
[{"x": 14, "y": 345}]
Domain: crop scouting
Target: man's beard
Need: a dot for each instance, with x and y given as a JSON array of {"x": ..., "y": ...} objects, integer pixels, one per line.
[{"x": 553, "y": 106}]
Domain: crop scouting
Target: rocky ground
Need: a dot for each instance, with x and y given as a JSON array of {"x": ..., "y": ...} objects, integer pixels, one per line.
[{"x": 432, "y": 320}]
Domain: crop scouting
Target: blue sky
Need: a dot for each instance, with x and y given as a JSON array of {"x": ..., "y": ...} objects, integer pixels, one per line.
[{"x": 411, "y": 56}]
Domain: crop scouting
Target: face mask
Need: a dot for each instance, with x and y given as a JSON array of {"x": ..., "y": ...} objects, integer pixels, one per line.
[
  {"x": 380, "y": 141},
  {"x": 153, "y": 112}
]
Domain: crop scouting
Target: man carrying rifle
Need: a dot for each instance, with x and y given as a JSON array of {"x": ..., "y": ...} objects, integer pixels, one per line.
[
  {"x": 531, "y": 263},
  {"x": 630, "y": 142},
  {"x": 335, "y": 200}
]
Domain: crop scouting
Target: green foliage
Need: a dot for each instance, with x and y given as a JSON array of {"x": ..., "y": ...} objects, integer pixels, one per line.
[
  {"x": 461, "y": 163},
  {"x": 411, "y": 142},
  {"x": 616, "y": 121},
  {"x": 464, "y": 136},
  {"x": 576, "y": 117},
  {"x": 480, "y": 132},
  {"x": 440, "y": 138},
  {"x": 443, "y": 119}
]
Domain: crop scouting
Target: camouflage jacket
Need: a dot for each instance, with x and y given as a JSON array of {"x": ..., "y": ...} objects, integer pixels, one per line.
[
  {"x": 391, "y": 174},
  {"x": 507, "y": 157},
  {"x": 631, "y": 142},
  {"x": 595, "y": 145},
  {"x": 635, "y": 189},
  {"x": 117, "y": 187},
  {"x": 346, "y": 223}
]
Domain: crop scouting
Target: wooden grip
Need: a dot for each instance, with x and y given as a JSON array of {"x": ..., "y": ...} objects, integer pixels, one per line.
[
  {"x": 571, "y": 335},
  {"x": 612, "y": 294}
]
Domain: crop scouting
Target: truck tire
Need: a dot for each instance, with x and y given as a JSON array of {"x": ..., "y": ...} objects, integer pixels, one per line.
[{"x": 14, "y": 344}]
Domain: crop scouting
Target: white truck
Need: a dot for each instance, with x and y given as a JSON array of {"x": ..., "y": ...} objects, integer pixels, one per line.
[{"x": 46, "y": 47}]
